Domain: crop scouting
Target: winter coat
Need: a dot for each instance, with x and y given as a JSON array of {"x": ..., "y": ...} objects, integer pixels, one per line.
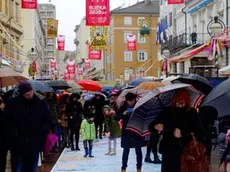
[
  {"x": 53, "y": 105},
  {"x": 3, "y": 143},
  {"x": 28, "y": 123},
  {"x": 88, "y": 131},
  {"x": 112, "y": 125},
  {"x": 128, "y": 138},
  {"x": 223, "y": 146},
  {"x": 64, "y": 117},
  {"x": 98, "y": 104}
]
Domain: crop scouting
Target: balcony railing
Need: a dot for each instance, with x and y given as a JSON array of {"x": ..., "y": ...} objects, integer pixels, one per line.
[{"x": 181, "y": 41}]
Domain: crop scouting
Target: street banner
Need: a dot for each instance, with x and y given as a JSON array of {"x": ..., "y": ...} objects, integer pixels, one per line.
[
  {"x": 145, "y": 27},
  {"x": 87, "y": 63},
  {"x": 66, "y": 75},
  {"x": 29, "y": 4},
  {"x": 98, "y": 38},
  {"x": 80, "y": 71},
  {"x": 52, "y": 28},
  {"x": 71, "y": 68},
  {"x": 131, "y": 42},
  {"x": 53, "y": 66},
  {"x": 61, "y": 42},
  {"x": 94, "y": 54},
  {"x": 97, "y": 13},
  {"x": 174, "y": 2}
]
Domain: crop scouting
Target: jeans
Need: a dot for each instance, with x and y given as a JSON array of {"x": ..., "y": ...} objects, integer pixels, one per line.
[
  {"x": 75, "y": 132},
  {"x": 65, "y": 135},
  {"x": 152, "y": 145},
  {"x": 88, "y": 149},
  {"x": 125, "y": 156},
  {"x": 24, "y": 163},
  {"x": 3, "y": 156}
]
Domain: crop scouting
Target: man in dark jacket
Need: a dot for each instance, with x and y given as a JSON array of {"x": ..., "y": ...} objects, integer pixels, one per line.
[
  {"x": 74, "y": 112},
  {"x": 28, "y": 121}
]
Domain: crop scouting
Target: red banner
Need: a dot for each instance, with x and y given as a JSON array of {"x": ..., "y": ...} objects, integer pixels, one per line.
[
  {"x": 53, "y": 63},
  {"x": 61, "y": 42},
  {"x": 29, "y": 4},
  {"x": 71, "y": 68},
  {"x": 94, "y": 54},
  {"x": 131, "y": 42},
  {"x": 174, "y": 2},
  {"x": 34, "y": 65},
  {"x": 87, "y": 63},
  {"x": 66, "y": 75},
  {"x": 80, "y": 71},
  {"x": 97, "y": 13}
]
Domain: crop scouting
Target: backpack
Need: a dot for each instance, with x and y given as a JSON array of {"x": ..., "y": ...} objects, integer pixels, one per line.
[{"x": 194, "y": 157}]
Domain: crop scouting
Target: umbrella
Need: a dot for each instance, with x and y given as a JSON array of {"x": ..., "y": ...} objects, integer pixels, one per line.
[
  {"x": 10, "y": 77},
  {"x": 197, "y": 81},
  {"x": 39, "y": 86},
  {"x": 58, "y": 84},
  {"x": 136, "y": 82},
  {"x": 89, "y": 85},
  {"x": 150, "y": 85},
  {"x": 107, "y": 87},
  {"x": 148, "y": 108},
  {"x": 139, "y": 92},
  {"x": 169, "y": 80},
  {"x": 219, "y": 98}
]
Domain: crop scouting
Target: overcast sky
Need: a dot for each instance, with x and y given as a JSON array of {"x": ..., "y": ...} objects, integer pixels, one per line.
[{"x": 70, "y": 12}]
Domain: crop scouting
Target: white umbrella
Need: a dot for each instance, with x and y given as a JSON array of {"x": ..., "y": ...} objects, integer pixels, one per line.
[{"x": 168, "y": 80}]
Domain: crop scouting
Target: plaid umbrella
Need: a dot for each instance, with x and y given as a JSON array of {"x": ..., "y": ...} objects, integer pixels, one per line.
[
  {"x": 219, "y": 98},
  {"x": 148, "y": 108}
]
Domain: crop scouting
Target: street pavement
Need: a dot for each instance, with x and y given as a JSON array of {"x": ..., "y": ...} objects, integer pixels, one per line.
[{"x": 75, "y": 162}]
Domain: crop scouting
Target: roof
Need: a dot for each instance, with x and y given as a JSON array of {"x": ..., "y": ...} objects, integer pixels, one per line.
[{"x": 140, "y": 8}]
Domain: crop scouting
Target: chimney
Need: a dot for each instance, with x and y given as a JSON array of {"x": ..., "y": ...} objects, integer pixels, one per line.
[{"x": 147, "y": 2}]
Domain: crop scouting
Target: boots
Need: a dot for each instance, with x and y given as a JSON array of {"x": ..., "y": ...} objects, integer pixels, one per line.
[
  {"x": 86, "y": 152},
  {"x": 113, "y": 152},
  {"x": 90, "y": 154},
  {"x": 148, "y": 159},
  {"x": 77, "y": 148},
  {"x": 123, "y": 170},
  {"x": 109, "y": 151},
  {"x": 156, "y": 160},
  {"x": 138, "y": 170}
]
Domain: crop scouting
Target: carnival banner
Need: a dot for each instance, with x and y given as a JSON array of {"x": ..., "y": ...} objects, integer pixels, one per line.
[
  {"x": 98, "y": 38},
  {"x": 53, "y": 66},
  {"x": 87, "y": 63},
  {"x": 94, "y": 54},
  {"x": 80, "y": 71},
  {"x": 61, "y": 42},
  {"x": 131, "y": 42},
  {"x": 52, "y": 28},
  {"x": 66, "y": 75},
  {"x": 145, "y": 27},
  {"x": 175, "y": 2},
  {"x": 97, "y": 13},
  {"x": 29, "y": 4},
  {"x": 71, "y": 68}
]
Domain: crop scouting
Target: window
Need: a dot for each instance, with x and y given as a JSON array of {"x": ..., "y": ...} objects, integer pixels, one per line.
[
  {"x": 127, "y": 20},
  {"x": 50, "y": 41},
  {"x": 50, "y": 47},
  {"x": 17, "y": 11},
  {"x": 50, "y": 53},
  {"x": 142, "y": 56},
  {"x": 138, "y": 20},
  {"x": 126, "y": 33},
  {"x": 170, "y": 19},
  {"x": 42, "y": 13},
  {"x": 1, "y": 5},
  {"x": 128, "y": 56},
  {"x": 141, "y": 39},
  {"x": 128, "y": 73},
  {"x": 7, "y": 7},
  {"x": 50, "y": 14}
]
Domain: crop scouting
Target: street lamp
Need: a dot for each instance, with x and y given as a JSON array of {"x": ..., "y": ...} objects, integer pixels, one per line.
[
  {"x": 32, "y": 54},
  {"x": 215, "y": 26}
]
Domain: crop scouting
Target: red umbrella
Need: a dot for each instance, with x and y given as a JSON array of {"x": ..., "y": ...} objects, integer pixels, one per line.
[{"x": 89, "y": 85}]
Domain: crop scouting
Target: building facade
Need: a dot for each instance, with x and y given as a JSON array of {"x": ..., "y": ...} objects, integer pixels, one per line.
[
  {"x": 119, "y": 63},
  {"x": 48, "y": 11},
  {"x": 34, "y": 37},
  {"x": 188, "y": 29}
]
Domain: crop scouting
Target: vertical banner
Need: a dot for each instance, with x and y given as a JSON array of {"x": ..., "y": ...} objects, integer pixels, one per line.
[
  {"x": 53, "y": 66},
  {"x": 93, "y": 54},
  {"x": 97, "y": 13},
  {"x": 52, "y": 28},
  {"x": 131, "y": 42},
  {"x": 71, "y": 68},
  {"x": 66, "y": 75},
  {"x": 61, "y": 42},
  {"x": 80, "y": 71},
  {"x": 98, "y": 38},
  {"x": 145, "y": 27},
  {"x": 87, "y": 63},
  {"x": 175, "y": 2},
  {"x": 29, "y": 4}
]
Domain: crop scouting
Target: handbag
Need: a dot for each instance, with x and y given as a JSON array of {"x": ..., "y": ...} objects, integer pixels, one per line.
[{"x": 194, "y": 158}]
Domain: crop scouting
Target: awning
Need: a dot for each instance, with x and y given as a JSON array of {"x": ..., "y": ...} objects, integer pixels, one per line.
[
  {"x": 225, "y": 70},
  {"x": 188, "y": 55}
]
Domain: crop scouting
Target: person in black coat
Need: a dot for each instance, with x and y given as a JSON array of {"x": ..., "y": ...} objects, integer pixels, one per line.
[
  {"x": 3, "y": 143},
  {"x": 74, "y": 112},
  {"x": 28, "y": 121},
  {"x": 98, "y": 102},
  {"x": 176, "y": 123},
  {"x": 128, "y": 138}
]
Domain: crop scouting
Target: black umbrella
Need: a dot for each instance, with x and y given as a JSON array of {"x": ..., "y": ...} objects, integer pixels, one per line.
[
  {"x": 59, "y": 85},
  {"x": 197, "y": 81},
  {"x": 219, "y": 98}
]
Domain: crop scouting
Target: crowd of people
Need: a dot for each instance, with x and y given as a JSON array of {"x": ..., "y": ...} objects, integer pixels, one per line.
[{"x": 26, "y": 118}]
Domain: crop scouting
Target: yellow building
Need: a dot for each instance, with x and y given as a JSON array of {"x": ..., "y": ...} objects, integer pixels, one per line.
[
  {"x": 11, "y": 30},
  {"x": 119, "y": 63}
]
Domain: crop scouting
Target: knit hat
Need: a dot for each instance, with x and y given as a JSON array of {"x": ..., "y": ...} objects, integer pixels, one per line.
[
  {"x": 107, "y": 107},
  {"x": 24, "y": 87}
]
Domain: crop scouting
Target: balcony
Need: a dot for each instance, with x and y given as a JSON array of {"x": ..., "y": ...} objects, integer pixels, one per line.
[{"x": 182, "y": 41}]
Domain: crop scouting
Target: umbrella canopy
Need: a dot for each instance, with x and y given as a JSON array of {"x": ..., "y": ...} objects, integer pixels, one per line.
[
  {"x": 150, "y": 85},
  {"x": 136, "y": 82},
  {"x": 197, "y": 81},
  {"x": 139, "y": 92},
  {"x": 219, "y": 98},
  {"x": 39, "y": 86},
  {"x": 10, "y": 77},
  {"x": 107, "y": 87},
  {"x": 89, "y": 85},
  {"x": 59, "y": 84},
  {"x": 149, "y": 107},
  {"x": 169, "y": 80}
]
